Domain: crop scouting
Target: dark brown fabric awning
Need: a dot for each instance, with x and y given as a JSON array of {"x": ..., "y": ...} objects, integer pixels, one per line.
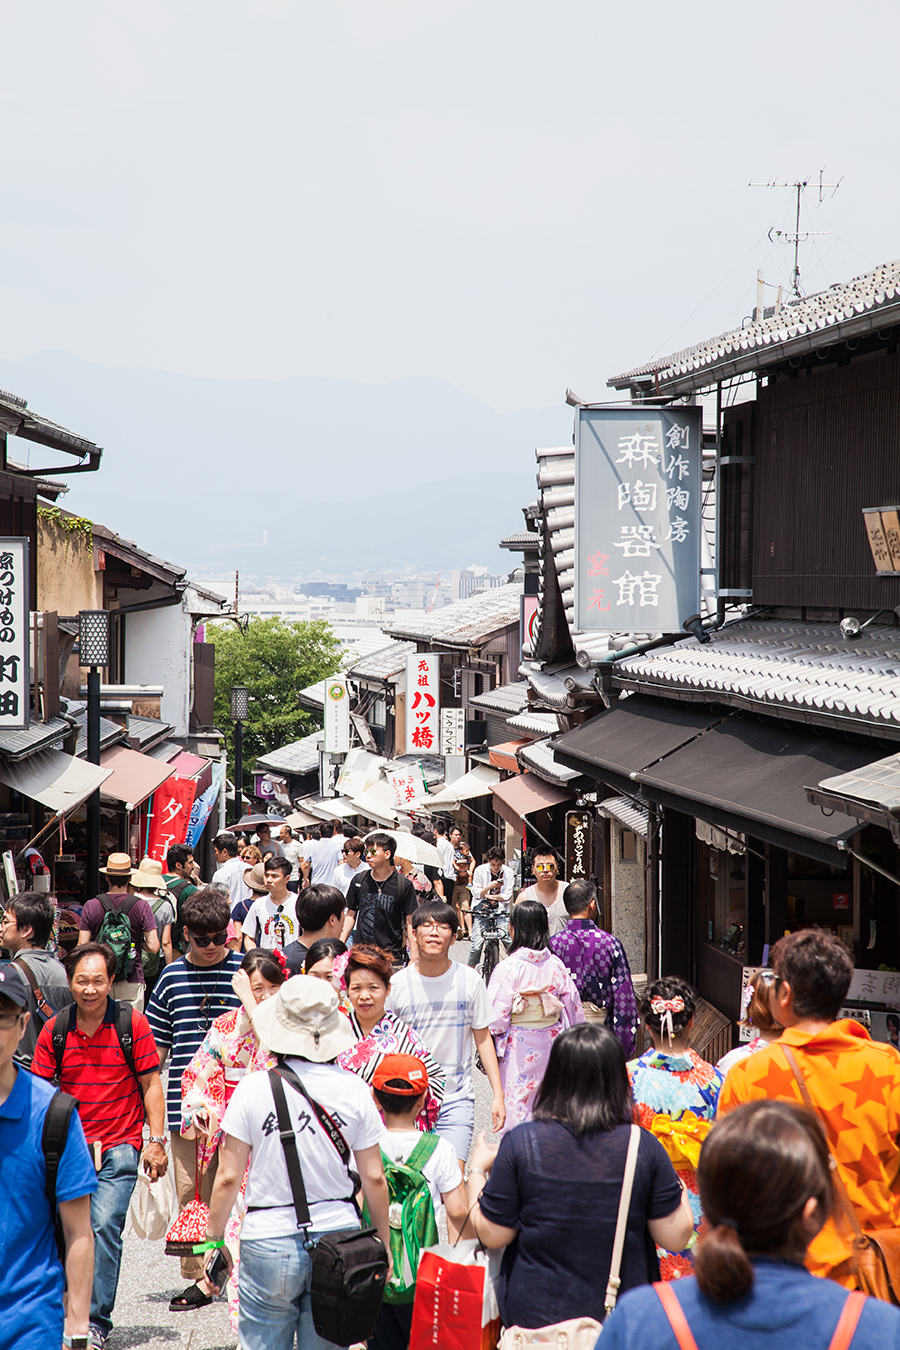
[{"x": 519, "y": 797}]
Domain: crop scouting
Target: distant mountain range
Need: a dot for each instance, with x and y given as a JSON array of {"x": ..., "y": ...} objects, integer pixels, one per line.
[{"x": 337, "y": 477}]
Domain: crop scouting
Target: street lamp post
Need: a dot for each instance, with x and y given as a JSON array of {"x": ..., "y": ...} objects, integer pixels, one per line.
[
  {"x": 240, "y": 710},
  {"x": 93, "y": 640}
]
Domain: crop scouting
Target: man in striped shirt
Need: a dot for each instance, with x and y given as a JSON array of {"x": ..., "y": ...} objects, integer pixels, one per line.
[
  {"x": 114, "y": 1096},
  {"x": 188, "y": 996}
]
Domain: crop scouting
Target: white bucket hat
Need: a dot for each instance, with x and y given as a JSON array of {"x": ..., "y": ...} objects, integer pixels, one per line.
[
  {"x": 304, "y": 1019},
  {"x": 149, "y": 876}
]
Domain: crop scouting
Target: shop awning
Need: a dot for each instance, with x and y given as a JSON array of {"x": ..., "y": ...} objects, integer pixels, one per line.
[
  {"x": 478, "y": 782},
  {"x": 327, "y": 808},
  {"x": 133, "y": 776},
  {"x": 736, "y": 772},
  {"x": 871, "y": 793},
  {"x": 299, "y": 820},
  {"x": 378, "y": 802},
  {"x": 503, "y": 756},
  {"x": 627, "y": 813},
  {"x": 519, "y": 797},
  {"x": 56, "y": 780}
]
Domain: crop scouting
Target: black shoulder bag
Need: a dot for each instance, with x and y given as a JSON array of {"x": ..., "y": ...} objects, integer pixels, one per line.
[{"x": 349, "y": 1267}]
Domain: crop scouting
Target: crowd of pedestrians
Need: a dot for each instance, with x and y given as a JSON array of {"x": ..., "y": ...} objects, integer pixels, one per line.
[{"x": 321, "y": 1043}]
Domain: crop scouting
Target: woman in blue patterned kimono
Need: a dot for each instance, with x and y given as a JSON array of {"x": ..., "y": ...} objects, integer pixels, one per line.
[{"x": 675, "y": 1094}]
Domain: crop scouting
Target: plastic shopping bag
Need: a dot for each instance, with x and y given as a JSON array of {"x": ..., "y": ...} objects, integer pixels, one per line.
[
  {"x": 455, "y": 1307},
  {"x": 154, "y": 1205}
]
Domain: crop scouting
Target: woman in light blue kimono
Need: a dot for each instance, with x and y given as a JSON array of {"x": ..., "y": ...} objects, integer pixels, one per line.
[{"x": 534, "y": 999}]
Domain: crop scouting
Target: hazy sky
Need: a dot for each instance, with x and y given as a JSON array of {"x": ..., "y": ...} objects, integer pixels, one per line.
[{"x": 511, "y": 195}]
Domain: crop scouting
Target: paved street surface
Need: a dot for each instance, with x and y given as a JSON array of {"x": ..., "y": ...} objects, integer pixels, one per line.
[{"x": 150, "y": 1278}]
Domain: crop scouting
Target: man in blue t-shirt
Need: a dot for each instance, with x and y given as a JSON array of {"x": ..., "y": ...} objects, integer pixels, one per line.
[{"x": 31, "y": 1291}]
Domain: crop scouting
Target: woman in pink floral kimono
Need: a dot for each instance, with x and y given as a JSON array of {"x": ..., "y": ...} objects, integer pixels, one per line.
[
  {"x": 534, "y": 999},
  {"x": 228, "y": 1051}
]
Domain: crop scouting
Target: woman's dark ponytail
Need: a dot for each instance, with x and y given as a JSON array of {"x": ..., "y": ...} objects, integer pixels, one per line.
[{"x": 723, "y": 1268}]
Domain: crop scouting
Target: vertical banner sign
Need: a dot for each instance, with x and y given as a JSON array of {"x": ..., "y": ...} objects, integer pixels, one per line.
[
  {"x": 15, "y": 636},
  {"x": 407, "y": 785},
  {"x": 579, "y": 845},
  {"x": 453, "y": 731},
  {"x": 638, "y": 496},
  {"x": 527, "y": 622},
  {"x": 337, "y": 716},
  {"x": 423, "y": 703},
  {"x": 203, "y": 806},
  {"x": 172, "y": 802}
]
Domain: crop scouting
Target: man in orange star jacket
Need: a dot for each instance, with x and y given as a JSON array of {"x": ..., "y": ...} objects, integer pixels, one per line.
[{"x": 853, "y": 1083}]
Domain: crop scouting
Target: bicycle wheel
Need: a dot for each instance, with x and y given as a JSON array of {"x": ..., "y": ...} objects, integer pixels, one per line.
[{"x": 491, "y": 954}]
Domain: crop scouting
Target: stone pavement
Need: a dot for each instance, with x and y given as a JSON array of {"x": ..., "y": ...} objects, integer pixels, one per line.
[{"x": 150, "y": 1278}]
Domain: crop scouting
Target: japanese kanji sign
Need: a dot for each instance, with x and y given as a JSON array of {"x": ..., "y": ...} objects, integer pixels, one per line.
[
  {"x": 453, "y": 731},
  {"x": 172, "y": 802},
  {"x": 638, "y": 497},
  {"x": 423, "y": 703},
  {"x": 15, "y": 676},
  {"x": 407, "y": 784},
  {"x": 337, "y": 716}
]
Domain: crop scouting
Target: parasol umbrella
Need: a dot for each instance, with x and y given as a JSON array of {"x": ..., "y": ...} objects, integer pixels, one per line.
[
  {"x": 252, "y": 822},
  {"x": 411, "y": 847}
]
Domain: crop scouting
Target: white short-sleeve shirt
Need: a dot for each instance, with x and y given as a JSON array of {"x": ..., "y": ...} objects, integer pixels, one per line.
[
  {"x": 441, "y": 1170},
  {"x": 444, "y": 1010},
  {"x": 251, "y": 1117}
]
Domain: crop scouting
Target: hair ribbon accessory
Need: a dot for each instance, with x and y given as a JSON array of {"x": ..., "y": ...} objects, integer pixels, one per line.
[
  {"x": 339, "y": 968},
  {"x": 663, "y": 1008},
  {"x": 280, "y": 958}
]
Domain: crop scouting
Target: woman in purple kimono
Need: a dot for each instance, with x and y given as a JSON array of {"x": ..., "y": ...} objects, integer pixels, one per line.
[{"x": 534, "y": 999}]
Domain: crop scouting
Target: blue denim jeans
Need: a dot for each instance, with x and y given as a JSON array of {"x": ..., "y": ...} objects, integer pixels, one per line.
[
  {"x": 479, "y": 922},
  {"x": 109, "y": 1210},
  {"x": 273, "y": 1288}
]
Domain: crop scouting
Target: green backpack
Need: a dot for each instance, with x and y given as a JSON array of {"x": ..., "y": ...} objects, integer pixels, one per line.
[
  {"x": 412, "y": 1220},
  {"x": 115, "y": 931}
]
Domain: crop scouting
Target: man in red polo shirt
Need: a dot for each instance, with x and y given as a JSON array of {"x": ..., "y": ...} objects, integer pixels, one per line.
[{"x": 96, "y": 1071}]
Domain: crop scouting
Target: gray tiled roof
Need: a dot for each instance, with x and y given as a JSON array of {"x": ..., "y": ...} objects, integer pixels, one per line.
[
  {"x": 506, "y": 698},
  {"x": 465, "y": 624},
  {"x": 538, "y": 758},
  {"x": 39, "y": 736},
  {"x": 147, "y": 730},
  {"x": 536, "y": 723},
  {"x": 432, "y": 767},
  {"x": 626, "y": 812},
  {"x": 297, "y": 757},
  {"x": 525, "y": 539},
  {"x": 388, "y": 661},
  {"x": 789, "y": 669},
  {"x": 866, "y": 303}
]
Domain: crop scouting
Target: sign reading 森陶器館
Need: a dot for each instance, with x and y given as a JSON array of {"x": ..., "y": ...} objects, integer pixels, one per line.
[
  {"x": 15, "y": 674},
  {"x": 423, "y": 703},
  {"x": 638, "y": 499},
  {"x": 336, "y": 716}
]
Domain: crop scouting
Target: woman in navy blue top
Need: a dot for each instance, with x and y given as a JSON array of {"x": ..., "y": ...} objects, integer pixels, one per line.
[{"x": 765, "y": 1186}]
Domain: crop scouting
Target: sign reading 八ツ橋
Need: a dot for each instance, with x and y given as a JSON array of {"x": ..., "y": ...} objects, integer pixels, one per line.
[
  {"x": 423, "y": 703},
  {"x": 15, "y": 676},
  {"x": 638, "y": 490}
]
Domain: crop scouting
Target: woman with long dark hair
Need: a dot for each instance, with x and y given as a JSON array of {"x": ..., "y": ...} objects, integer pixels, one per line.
[
  {"x": 765, "y": 1185},
  {"x": 534, "y": 999},
  {"x": 675, "y": 1093},
  {"x": 550, "y": 1196}
]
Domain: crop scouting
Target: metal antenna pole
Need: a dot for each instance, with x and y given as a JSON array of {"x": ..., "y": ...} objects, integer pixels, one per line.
[{"x": 798, "y": 237}]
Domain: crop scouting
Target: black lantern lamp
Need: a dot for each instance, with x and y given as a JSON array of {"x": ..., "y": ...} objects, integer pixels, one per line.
[{"x": 93, "y": 641}]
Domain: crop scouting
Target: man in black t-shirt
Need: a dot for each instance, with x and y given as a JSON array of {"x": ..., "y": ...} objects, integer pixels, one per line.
[
  {"x": 380, "y": 901},
  {"x": 320, "y": 913}
]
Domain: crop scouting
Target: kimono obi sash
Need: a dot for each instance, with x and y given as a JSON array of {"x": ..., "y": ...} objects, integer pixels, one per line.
[{"x": 535, "y": 1008}]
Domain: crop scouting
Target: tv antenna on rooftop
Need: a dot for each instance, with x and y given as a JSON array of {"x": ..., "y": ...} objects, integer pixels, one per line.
[{"x": 796, "y": 236}]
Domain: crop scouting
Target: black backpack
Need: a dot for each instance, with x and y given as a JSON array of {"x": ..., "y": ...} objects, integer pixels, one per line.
[
  {"x": 53, "y": 1143},
  {"x": 65, "y": 1021}
]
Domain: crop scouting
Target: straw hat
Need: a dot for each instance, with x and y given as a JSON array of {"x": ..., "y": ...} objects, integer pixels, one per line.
[
  {"x": 253, "y": 877},
  {"x": 303, "y": 1018},
  {"x": 149, "y": 876},
  {"x": 118, "y": 867}
]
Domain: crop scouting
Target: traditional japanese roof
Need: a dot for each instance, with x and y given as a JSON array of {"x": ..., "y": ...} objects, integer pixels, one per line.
[
  {"x": 537, "y": 723},
  {"x": 537, "y": 757},
  {"x": 866, "y": 304},
  {"x": 629, "y": 813},
  {"x": 506, "y": 698},
  {"x": 39, "y": 736},
  {"x": 384, "y": 664},
  {"x": 521, "y": 542},
  {"x": 17, "y": 420},
  {"x": 470, "y": 623},
  {"x": 803, "y": 671},
  {"x": 147, "y": 731},
  {"x": 297, "y": 757}
]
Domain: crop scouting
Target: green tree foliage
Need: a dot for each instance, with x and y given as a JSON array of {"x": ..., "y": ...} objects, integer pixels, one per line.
[{"x": 275, "y": 660}]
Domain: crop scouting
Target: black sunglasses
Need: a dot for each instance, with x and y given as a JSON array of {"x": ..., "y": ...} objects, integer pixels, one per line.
[{"x": 209, "y": 939}]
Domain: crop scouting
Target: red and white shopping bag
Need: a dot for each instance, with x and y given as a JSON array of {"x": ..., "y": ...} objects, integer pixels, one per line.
[{"x": 455, "y": 1307}]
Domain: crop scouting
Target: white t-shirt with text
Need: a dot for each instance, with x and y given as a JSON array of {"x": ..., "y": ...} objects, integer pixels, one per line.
[
  {"x": 444, "y": 1009},
  {"x": 441, "y": 1170},
  {"x": 270, "y": 925},
  {"x": 251, "y": 1117}
]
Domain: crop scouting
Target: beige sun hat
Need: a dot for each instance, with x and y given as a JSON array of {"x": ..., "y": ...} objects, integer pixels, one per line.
[
  {"x": 304, "y": 1019},
  {"x": 118, "y": 867},
  {"x": 254, "y": 878},
  {"x": 149, "y": 876}
]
